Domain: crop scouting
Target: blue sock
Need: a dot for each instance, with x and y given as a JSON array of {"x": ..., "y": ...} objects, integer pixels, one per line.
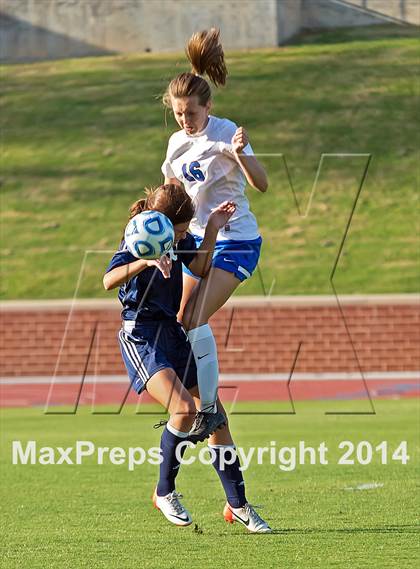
[
  {"x": 170, "y": 464},
  {"x": 231, "y": 477}
]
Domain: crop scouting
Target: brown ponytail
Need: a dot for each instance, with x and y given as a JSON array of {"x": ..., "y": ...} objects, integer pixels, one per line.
[
  {"x": 206, "y": 56},
  {"x": 137, "y": 207},
  {"x": 205, "y": 53},
  {"x": 170, "y": 199}
]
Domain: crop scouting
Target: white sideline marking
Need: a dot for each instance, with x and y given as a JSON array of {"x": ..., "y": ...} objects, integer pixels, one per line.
[
  {"x": 245, "y": 301},
  {"x": 367, "y": 486},
  {"x": 225, "y": 377}
]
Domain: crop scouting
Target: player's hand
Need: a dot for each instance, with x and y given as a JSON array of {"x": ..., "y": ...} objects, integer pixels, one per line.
[
  {"x": 239, "y": 140},
  {"x": 164, "y": 264},
  {"x": 221, "y": 214}
]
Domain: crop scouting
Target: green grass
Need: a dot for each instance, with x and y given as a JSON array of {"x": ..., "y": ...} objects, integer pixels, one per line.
[
  {"x": 83, "y": 137},
  {"x": 101, "y": 516}
]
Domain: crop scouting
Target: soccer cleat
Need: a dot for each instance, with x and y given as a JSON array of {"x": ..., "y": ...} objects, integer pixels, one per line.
[
  {"x": 172, "y": 509},
  {"x": 204, "y": 425},
  {"x": 248, "y": 517}
]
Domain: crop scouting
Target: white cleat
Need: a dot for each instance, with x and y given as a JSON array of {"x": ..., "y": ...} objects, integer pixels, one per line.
[
  {"x": 172, "y": 509},
  {"x": 248, "y": 517}
]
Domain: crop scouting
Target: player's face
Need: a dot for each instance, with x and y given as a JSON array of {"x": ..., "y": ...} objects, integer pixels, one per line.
[
  {"x": 189, "y": 114},
  {"x": 180, "y": 230}
]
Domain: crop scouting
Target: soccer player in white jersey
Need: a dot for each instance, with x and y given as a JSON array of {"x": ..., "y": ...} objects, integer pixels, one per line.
[{"x": 213, "y": 159}]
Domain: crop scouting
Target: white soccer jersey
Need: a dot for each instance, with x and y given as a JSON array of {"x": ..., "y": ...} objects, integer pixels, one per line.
[{"x": 204, "y": 163}]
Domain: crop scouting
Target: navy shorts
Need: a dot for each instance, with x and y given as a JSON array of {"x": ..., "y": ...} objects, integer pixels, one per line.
[
  {"x": 237, "y": 257},
  {"x": 149, "y": 348}
]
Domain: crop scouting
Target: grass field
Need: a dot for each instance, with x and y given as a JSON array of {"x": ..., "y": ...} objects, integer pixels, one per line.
[
  {"x": 82, "y": 138},
  {"x": 101, "y": 516}
]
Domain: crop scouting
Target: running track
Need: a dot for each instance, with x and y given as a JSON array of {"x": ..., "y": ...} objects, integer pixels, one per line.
[{"x": 111, "y": 390}]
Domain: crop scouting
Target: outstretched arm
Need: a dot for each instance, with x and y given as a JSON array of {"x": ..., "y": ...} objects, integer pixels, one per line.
[
  {"x": 120, "y": 275},
  {"x": 252, "y": 169}
]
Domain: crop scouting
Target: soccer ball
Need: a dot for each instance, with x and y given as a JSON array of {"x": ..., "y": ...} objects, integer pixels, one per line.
[{"x": 149, "y": 235}]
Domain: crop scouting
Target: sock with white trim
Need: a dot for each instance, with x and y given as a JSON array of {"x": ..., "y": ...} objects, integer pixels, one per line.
[
  {"x": 204, "y": 349},
  {"x": 230, "y": 476},
  {"x": 170, "y": 464}
]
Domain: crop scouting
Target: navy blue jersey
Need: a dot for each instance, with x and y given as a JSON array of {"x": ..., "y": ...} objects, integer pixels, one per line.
[{"x": 149, "y": 296}]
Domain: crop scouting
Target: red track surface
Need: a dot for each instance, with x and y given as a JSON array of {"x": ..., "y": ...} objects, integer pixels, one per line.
[{"x": 28, "y": 395}]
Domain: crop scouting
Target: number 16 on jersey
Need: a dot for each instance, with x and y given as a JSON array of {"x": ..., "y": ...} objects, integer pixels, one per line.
[{"x": 192, "y": 172}]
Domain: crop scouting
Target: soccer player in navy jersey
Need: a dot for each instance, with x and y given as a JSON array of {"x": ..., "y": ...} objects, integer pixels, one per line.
[{"x": 157, "y": 353}]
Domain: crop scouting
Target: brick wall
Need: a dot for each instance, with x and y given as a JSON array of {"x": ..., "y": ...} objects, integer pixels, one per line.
[{"x": 253, "y": 336}]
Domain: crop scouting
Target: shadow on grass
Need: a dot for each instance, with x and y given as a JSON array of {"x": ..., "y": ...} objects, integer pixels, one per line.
[
  {"x": 43, "y": 43},
  {"x": 345, "y": 35},
  {"x": 414, "y": 528}
]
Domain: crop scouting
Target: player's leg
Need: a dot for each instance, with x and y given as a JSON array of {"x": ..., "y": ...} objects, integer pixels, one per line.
[
  {"x": 188, "y": 285},
  {"x": 166, "y": 388},
  {"x": 145, "y": 355},
  {"x": 205, "y": 299},
  {"x": 227, "y": 466},
  {"x": 230, "y": 475},
  {"x": 209, "y": 294},
  {"x": 182, "y": 360},
  {"x": 233, "y": 262}
]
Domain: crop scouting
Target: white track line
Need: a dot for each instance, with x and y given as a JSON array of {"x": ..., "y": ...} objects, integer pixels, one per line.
[
  {"x": 245, "y": 301},
  {"x": 225, "y": 377}
]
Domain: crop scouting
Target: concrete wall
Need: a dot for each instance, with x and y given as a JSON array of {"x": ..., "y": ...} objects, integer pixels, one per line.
[
  {"x": 37, "y": 29},
  {"x": 42, "y": 29},
  {"x": 330, "y": 14},
  {"x": 405, "y": 10},
  {"x": 289, "y": 19}
]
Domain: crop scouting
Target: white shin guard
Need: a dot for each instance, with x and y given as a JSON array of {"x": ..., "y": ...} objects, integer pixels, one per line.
[{"x": 204, "y": 349}]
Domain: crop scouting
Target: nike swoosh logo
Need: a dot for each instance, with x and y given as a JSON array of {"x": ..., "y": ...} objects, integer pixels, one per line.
[
  {"x": 183, "y": 519},
  {"x": 240, "y": 519},
  {"x": 201, "y": 357}
]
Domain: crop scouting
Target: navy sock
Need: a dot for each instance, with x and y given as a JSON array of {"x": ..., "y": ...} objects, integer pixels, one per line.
[
  {"x": 231, "y": 477},
  {"x": 170, "y": 464}
]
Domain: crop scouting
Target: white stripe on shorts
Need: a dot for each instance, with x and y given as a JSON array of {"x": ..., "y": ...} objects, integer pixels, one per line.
[
  {"x": 134, "y": 358},
  {"x": 128, "y": 325},
  {"x": 244, "y": 271}
]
